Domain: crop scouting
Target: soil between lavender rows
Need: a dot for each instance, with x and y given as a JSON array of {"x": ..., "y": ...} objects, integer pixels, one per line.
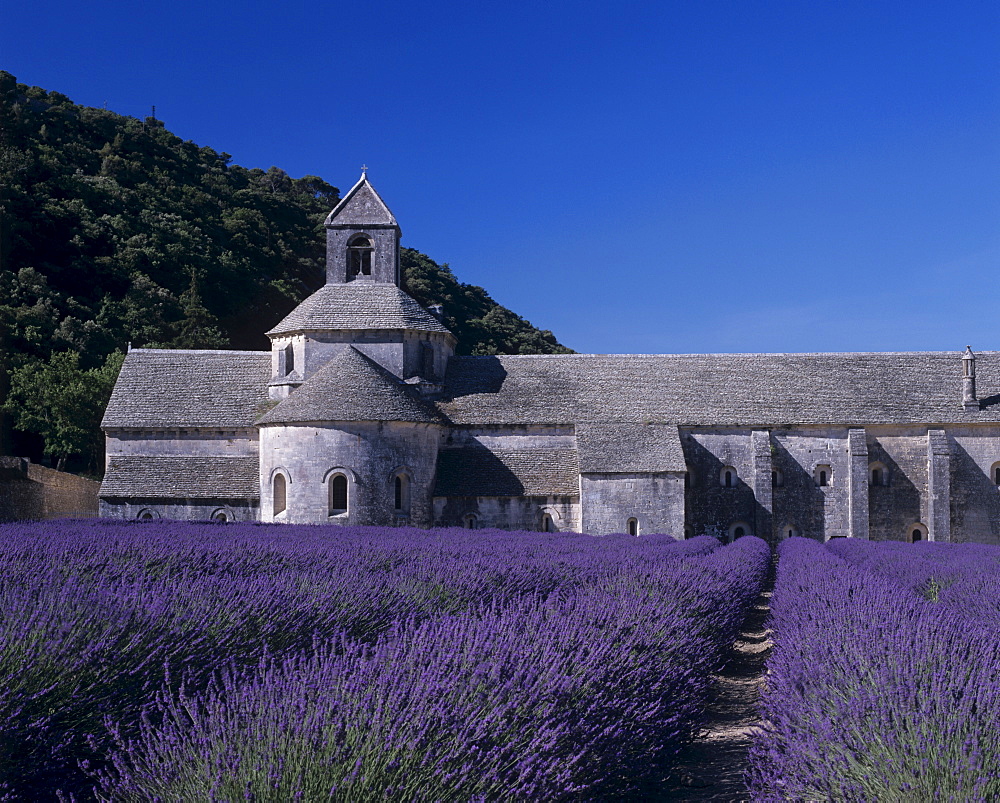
[{"x": 712, "y": 767}]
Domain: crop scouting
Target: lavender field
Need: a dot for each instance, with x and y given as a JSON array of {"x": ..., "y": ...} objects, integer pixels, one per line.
[
  {"x": 884, "y": 679},
  {"x": 165, "y": 661}
]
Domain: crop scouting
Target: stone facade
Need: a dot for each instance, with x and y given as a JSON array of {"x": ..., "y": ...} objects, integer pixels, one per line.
[{"x": 361, "y": 414}]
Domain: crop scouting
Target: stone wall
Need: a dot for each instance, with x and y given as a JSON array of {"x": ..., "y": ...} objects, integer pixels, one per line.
[
  {"x": 507, "y": 512},
  {"x": 801, "y": 502},
  {"x": 901, "y": 500},
  {"x": 975, "y": 496},
  {"x": 31, "y": 491},
  {"x": 656, "y": 501},
  {"x": 711, "y": 506},
  {"x": 180, "y": 509},
  {"x": 941, "y": 481},
  {"x": 369, "y": 454}
]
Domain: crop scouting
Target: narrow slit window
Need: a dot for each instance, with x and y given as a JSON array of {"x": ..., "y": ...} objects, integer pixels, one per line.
[
  {"x": 338, "y": 494},
  {"x": 280, "y": 494},
  {"x": 822, "y": 479},
  {"x": 401, "y": 494},
  {"x": 633, "y": 526}
]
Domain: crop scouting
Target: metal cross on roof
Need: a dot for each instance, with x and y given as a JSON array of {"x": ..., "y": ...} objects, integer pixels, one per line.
[{"x": 364, "y": 168}]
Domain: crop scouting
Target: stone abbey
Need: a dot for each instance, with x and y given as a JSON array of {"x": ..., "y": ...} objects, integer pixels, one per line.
[{"x": 361, "y": 414}]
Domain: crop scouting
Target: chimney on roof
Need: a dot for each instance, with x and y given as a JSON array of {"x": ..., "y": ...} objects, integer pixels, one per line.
[{"x": 969, "y": 400}]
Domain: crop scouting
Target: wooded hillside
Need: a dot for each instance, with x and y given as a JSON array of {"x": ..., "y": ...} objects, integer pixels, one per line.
[{"x": 115, "y": 231}]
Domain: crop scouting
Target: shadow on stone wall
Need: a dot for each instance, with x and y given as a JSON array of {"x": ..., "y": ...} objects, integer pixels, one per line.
[
  {"x": 31, "y": 491},
  {"x": 894, "y": 507},
  {"x": 797, "y": 502},
  {"x": 975, "y": 501},
  {"x": 707, "y": 503}
]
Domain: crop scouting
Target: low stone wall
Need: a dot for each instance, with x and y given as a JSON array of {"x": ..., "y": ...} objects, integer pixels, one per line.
[{"x": 31, "y": 491}]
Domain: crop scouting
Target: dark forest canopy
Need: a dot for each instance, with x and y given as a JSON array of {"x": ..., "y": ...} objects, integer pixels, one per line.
[{"x": 115, "y": 231}]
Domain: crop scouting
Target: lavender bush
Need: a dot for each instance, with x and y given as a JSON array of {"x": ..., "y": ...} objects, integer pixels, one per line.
[
  {"x": 205, "y": 645},
  {"x": 873, "y": 692},
  {"x": 965, "y": 577}
]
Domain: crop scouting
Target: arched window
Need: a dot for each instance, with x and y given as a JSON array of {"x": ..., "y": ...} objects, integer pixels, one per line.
[
  {"x": 728, "y": 477},
  {"x": 470, "y": 521},
  {"x": 359, "y": 256},
  {"x": 633, "y": 526},
  {"x": 338, "y": 494},
  {"x": 823, "y": 475},
  {"x": 146, "y": 515},
  {"x": 995, "y": 473},
  {"x": 738, "y": 529},
  {"x": 222, "y": 515},
  {"x": 280, "y": 493},
  {"x": 777, "y": 479},
  {"x": 916, "y": 532},
  {"x": 789, "y": 531},
  {"x": 401, "y": 493},
  {"x": 548, "y": 526}
]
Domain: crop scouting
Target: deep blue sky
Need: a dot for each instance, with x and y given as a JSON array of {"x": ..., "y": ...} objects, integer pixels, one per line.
[{"x": 637, "y": 177}]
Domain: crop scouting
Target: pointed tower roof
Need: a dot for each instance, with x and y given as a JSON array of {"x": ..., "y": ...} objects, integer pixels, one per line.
[
  {"x": 362, "y": 206},
  {"x": 352, "y": 387}
]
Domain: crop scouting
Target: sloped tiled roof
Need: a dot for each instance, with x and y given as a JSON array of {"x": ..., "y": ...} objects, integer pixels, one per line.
[
  {"x": 475, "y": 470},
  {"x": 626, "y": 448},
  {"x": 186, "y": 477},
  {"x": 720, "y": 389},
  {"x": 358, "y": 305},
  {"x": 361, "y": 206},
  {"x": 166, "y": 388},
  {"x": 352, "y": 387}
]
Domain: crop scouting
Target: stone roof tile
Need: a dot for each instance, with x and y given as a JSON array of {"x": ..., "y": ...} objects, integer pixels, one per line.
[
  {"x": 857, "y": 389},
  {"x": 361, "y": 206},
  {"x": 352, "y": 387},
  {"x": 358, "y": 305},
  {"x": 171, "y": 388},
  {"x": 186, "y": 477},
  {"x": 626, "y": 448},
  {"x": 477, "y": 471}
]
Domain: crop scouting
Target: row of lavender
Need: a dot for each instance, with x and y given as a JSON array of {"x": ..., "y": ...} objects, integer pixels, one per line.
[
  {"x": 173, "y": 661},
  {"x": 884, "y": 680}
]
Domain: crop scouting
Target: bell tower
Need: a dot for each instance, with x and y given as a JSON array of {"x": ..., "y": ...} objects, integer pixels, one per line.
[{"x": 362, "y": 239}]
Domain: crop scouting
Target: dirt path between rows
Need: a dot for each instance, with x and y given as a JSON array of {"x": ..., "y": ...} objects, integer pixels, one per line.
[{"x": 711, "y": 769}]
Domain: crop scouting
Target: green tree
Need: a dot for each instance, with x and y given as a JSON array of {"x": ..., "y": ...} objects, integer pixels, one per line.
[
  {"x": 63, "y": 403},
  {"x": 198, "y": 329}
]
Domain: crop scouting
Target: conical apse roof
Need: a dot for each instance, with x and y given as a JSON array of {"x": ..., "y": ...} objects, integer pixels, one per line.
[{"x": 352, "y": 387}]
